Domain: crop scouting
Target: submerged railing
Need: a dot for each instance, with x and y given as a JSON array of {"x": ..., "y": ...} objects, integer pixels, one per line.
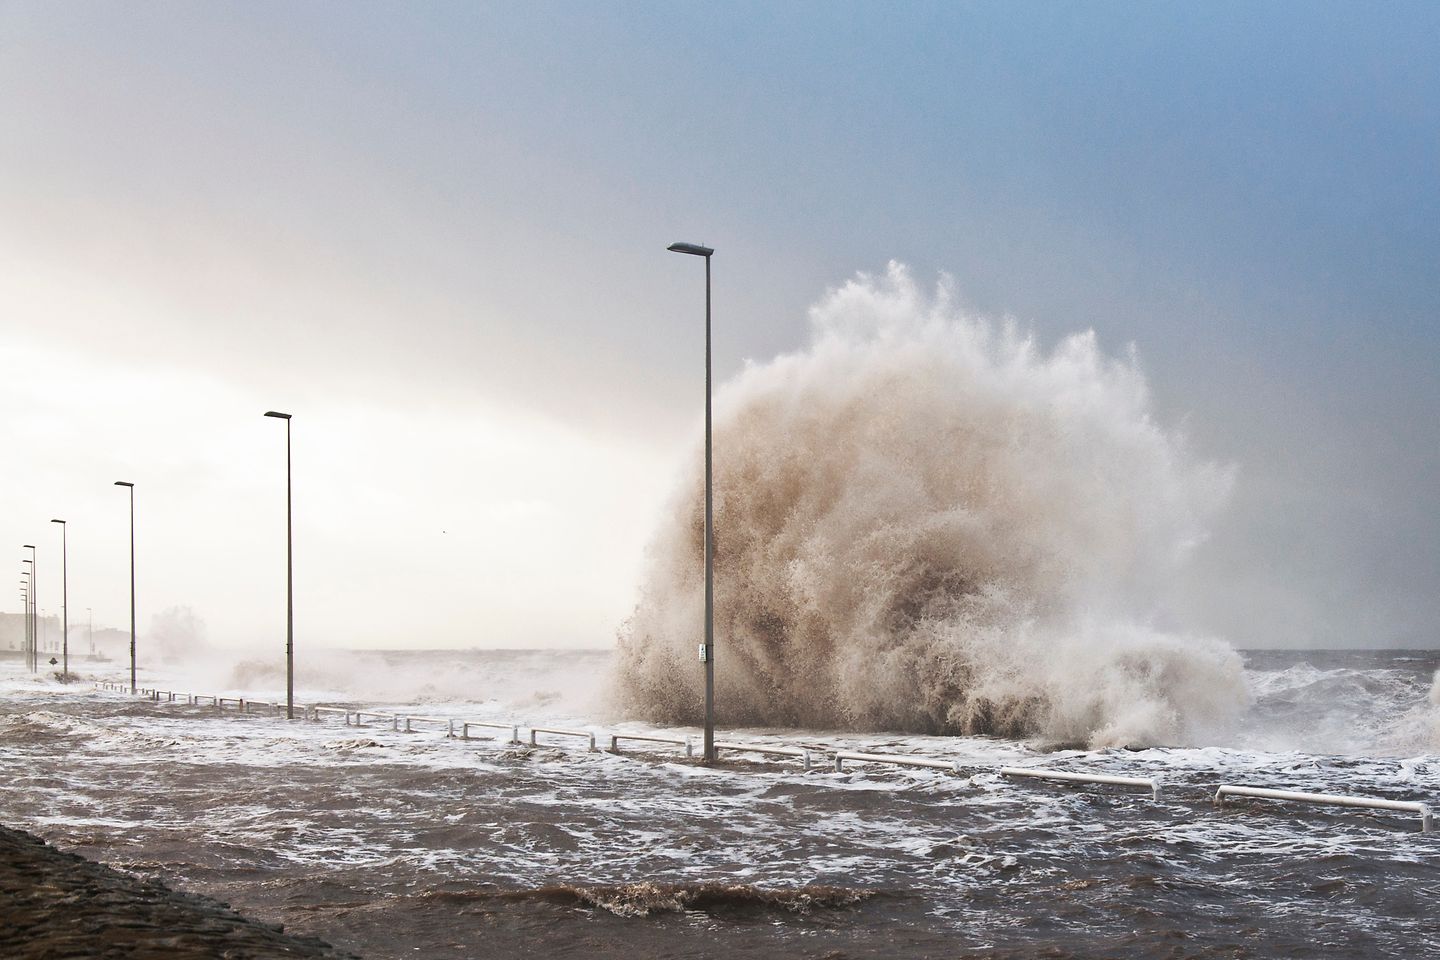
[
  {"x": 685, "y": 742},
  {"x": 764, "y": 750},
  {"x": 1329, "y": 799},
  {"x": 514, "y": 729},
  {"x": 562, "y": 732},
  {"x": 896, "y": 759},
  {"x": 1036, "y": 773},
  {"x": 838, "y": 757}
]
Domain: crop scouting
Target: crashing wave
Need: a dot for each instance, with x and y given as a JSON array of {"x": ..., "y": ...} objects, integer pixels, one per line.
[{"x": 923, "y": 522}]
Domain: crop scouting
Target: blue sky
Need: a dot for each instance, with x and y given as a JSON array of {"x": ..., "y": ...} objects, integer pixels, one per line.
[{"x": 457, "y": 211}]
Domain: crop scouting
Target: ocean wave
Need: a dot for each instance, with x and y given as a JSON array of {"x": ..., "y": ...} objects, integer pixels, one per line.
[{"x": 925, "y": 523}]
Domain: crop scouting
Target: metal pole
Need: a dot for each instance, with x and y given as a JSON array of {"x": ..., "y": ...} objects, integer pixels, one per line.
[
  {"x": 289, "y": 577},
  {"x": 125, "y": 483},
  {"x": 289, "y": 588},
  {"x": 34, "y": 608},
  {"x": 708, "y": 650},
  {"x": 64, "y": 598},
  {"x": 132, "y": 588},
  {"x": 709, "y": 549}
]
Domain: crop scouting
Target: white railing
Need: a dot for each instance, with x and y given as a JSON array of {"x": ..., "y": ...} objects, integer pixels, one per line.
[
  {"x": 1375, "y": 803},
  {"x": 560, "y": 732},
  {"x": 360, "y": 716},
  {"x": 685, "y": 742},
  {"x": 839, "y": 757},
  {"x": 1036, "y": 773},
  {"x": 898, "y": 759},
  {"x": 449, "y": 725},
  {"x": 798, "y": 752},
  {"x": 514, "y": 729}
]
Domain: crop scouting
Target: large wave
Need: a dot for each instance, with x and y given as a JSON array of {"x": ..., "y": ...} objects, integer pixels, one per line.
[{"x": 924, "y": 522}]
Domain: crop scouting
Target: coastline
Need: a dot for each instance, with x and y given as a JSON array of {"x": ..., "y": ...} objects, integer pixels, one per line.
[{"x": 61, "y": 905}]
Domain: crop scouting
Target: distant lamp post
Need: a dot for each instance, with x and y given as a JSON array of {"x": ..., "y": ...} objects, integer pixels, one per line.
[
  {"x": 708, "y": 650},
  {"x": 25, "y": 597},
  {"x": 64, "y": 599},
  {"x": 34, "y": 608},
  {"x": 289, "y": 578},
  {"x": 131, "y": 488}
]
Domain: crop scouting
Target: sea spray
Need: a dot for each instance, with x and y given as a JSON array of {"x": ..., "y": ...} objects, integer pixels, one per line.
[{"x": 924, "y": 522}]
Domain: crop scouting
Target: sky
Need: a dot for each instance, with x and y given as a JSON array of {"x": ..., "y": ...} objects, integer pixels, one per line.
[{"x": 435, "y": 233}]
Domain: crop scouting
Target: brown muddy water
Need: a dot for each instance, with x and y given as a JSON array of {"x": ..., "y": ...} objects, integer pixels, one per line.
[{"x": 414, "y": 845}]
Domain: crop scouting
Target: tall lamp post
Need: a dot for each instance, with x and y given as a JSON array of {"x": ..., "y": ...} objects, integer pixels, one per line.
[
  {"x": 289, "y": 578},
  {"x": 64, "y": 599},
  {"x": 131, "y": 488},
  {"x": 34, "y": 608},
  {"x": 707, "y": 652}
]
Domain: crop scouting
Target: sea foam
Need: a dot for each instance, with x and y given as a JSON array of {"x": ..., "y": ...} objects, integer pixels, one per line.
[{"x": 925, "y": 522}]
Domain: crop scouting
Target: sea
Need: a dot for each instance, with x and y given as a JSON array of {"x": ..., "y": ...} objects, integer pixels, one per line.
[{"x": 395, "y": 843}]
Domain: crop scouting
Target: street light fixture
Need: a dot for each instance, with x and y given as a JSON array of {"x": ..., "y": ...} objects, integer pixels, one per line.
[
  {"x": 289, "y": 578},
  {"x": 64, "y": 598},
  {"x": 131, "y": 488},
  {"x": 707, "y": 652}
]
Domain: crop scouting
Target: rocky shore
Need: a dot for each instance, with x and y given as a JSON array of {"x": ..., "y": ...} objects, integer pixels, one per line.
[{"x": 57, "y": 905}]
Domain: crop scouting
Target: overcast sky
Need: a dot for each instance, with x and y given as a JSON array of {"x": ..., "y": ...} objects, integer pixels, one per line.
[{"x": 435, "y": 234}]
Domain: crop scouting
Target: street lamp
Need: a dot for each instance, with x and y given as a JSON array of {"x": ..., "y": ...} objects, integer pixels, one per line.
[
  {"x": 64, "y": 598},
  {"x": 707, "y": 652},
  {"x": 289, "y": 578},
  {"x": 34, "y": 598},
  {"x": 131, "y": 488}
]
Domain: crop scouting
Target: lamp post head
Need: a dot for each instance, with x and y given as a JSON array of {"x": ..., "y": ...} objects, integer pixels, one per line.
[
  {"x": 694, "y": 249},
  {"x": 27, "y": 546},
  {"x": 277, "y": 415},
  {"x": 124, "y": 483},
  {"x": 57, "y": 521}
]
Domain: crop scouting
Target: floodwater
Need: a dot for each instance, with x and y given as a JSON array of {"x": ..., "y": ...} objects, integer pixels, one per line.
[{"x": 396, "y": 844}]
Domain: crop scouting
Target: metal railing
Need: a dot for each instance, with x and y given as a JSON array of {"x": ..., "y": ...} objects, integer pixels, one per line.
[
  {"x": 897, "y": 759},
  {"x": 561, "y": 732},
  {"x": 1037, "y": 773},
  {"x": 798, "y": 752},
  {"x": 514, "y": 729},
  {"x": 685, "y": 742},
  {"x": 1335, "y": 800},
  {"x": 839, "y": 757},
  {"x": 449, "y": 725},
  {"x": 360, "y": 716}
]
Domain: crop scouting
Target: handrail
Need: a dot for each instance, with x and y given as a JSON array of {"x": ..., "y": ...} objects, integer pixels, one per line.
[
  {"x": 343, "y": 711},
  {"x": 685, "y": 742},
  {"x": 1427, "y": 823},
  {"x": 1037, "y": 773},
  {"x": 561, "y": 732},
  {"x": 901, "y": 760},
  {"x": 514, "y": 729},
  {"x": 449, "y": 724},
  {"x": 360, "y": 716},
  {"x": 799, "y": 752}
]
